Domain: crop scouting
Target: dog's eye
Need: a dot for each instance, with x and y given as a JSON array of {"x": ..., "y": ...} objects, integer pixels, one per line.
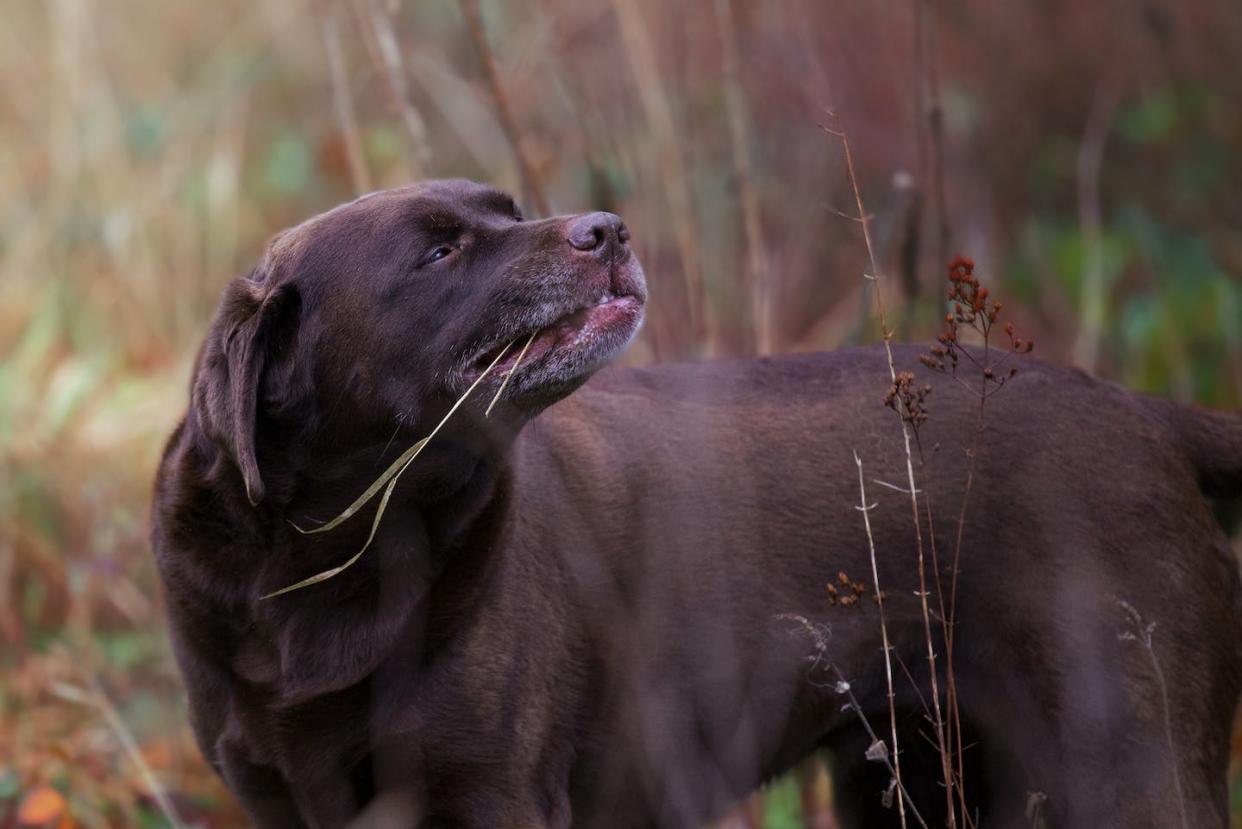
[{"x": 438, "y": 253}]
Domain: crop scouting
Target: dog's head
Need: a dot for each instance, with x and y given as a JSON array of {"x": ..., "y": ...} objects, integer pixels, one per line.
[{"x": 380, "y": 313}]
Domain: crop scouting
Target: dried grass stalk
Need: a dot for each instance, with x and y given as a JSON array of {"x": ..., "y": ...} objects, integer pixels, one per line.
[{"x": 390, "y": 476}]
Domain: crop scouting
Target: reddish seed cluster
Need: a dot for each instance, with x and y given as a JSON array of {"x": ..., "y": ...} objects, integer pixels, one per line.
[
  {"x": 849, "y": 592},
  {"x": 972, "y": 308},
  {"x": 908, "y": 400}
]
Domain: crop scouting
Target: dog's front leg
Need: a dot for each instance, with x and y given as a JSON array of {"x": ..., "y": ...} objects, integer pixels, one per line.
[
  {"x": 262, "y": 790},
  {"x": 328, "y": 803},
  {"x": 272, "y": 802},
  {"x": 538, "y": 809}
]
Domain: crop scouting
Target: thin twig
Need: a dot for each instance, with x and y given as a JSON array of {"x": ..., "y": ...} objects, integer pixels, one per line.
[
  {"x": 820, "y": 659},
  {"x": 504, "y": 113},
  {"x": 887, "y": 335},
  {"x": 757, "y": 278},
  {"x": 888, "y": 661},
  {"x": 1142, "y": 634},
  {"x": 935, "y": 123},
  {"x": 951, "y": 618},
  {"x": 849, "y": 216},
  {"x": 96, "y": 697},
  {"x": 1090, "y": 156},
  {"x": 675, "y": 179},
  {"x": 893, "y": 487},
  {"x": 343, "y": 103},
  {"x": 394, "y": 69},
  {"x": 915, "y": 219}
]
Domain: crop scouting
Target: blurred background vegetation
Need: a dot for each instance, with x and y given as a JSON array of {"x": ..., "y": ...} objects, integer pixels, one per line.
[{"x": 1087, "y": 155}]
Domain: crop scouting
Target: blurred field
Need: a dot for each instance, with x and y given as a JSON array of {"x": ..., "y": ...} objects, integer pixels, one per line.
[{"x": 1092, "y": 165}]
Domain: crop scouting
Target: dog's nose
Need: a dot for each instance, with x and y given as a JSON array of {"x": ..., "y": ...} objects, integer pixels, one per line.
[{"x": 603, "y": 234}]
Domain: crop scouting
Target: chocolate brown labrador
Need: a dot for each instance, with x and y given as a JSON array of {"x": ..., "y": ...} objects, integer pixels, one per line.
[{"x": 608, "y": 606}]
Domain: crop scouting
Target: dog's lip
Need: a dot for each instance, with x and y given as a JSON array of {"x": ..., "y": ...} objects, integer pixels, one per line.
[{"x": 607, "y": 308}]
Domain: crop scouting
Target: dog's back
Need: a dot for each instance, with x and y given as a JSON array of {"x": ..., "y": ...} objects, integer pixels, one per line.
[{"x": 695, "y": 509}]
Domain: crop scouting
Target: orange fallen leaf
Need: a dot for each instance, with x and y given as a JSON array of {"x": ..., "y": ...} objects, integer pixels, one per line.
[{"x": 41, "y": 806}]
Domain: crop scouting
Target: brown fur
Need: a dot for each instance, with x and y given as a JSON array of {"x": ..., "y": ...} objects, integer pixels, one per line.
[{"x": 580, "y": 616}]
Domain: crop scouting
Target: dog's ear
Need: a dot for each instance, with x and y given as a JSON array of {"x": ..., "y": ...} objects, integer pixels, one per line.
[{"x": 254, "y": 323}]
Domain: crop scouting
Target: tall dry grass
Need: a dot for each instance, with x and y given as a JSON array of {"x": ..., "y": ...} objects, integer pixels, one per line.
[{"x": 150, "y": 149}]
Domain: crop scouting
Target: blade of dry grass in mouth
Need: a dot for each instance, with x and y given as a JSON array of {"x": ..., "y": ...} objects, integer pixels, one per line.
[
  {"x": 390, "y": 476},
  {"x": 509, "y": 374}
]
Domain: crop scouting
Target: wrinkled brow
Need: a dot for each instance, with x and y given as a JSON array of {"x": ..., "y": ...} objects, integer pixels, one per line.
[
  {"x": 439, "y": 219},
  {"x": 438, "y": 213},
  {"x": 493, "y": 201}
]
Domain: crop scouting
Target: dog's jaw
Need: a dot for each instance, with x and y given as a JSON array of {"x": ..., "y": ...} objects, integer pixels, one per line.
[{"x": 551, "y": 355}]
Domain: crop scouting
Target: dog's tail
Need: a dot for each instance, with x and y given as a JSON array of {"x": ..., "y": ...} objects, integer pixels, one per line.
[{"x": 1212, "y": 442}]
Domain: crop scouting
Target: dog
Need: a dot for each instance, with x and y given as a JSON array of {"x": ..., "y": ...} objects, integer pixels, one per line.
[{"x": 631, "y": 603}]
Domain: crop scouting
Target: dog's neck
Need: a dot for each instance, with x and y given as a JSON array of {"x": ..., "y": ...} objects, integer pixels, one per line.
[
  {"x": 435, "y": 546},
  {"x": 446, "y": 483}
]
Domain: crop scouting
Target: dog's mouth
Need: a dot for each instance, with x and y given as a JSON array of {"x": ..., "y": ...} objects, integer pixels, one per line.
[{"x": 580, "y": 339}]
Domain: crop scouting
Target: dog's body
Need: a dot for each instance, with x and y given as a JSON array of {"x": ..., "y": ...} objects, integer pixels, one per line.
[{"x": 616, "y": 613}]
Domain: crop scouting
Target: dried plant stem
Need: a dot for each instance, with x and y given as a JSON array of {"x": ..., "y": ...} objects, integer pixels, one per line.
[
  {"x": 394, "y": 70},
  {"x": 1168, "y": 732},
  {"x": 504, "y": 113},
  {"x": 929, "y": 129},
  {"x": 948, "y": 615},
  {"x": 391, "y": 475},
  {"x": 658, "y": 112},
  {"x": 343, "y": 103},
  {"x": 865, "y": 509},
  {"x": 96, "y": 697},
  {"x": 972, "y": 309},
  {"x": 935, "y": 124},
  {"x": 919, "y": 84},
  {"x": 953, "y": 725},
  {"x": 1142, "y": 633},
  {"x": 950, "y": 619},
  {"x": 819, "y": 635},
  {"x": 1090, "y": 157},
  {"x": 757, "y": 278},
  {"x": 887, "y": 335},
  {"x": 10, "y": 619}
]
